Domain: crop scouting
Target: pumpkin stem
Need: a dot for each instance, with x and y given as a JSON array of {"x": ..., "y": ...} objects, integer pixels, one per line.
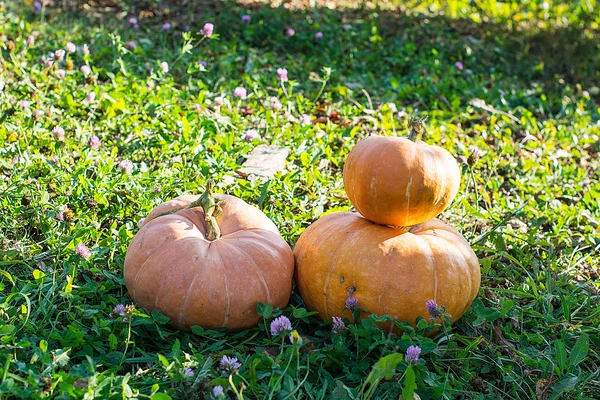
[
  {"x": 212, "y": 209},
  {"x": 417, "y": 127},
  {"x": 213, "y": 232}
]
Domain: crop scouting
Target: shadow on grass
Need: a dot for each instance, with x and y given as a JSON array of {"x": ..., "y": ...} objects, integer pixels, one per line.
[{"x": 392, "y": 42}]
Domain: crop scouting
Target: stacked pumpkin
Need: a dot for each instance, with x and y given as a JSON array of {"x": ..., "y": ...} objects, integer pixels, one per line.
[{"x": 393, "y": 255}]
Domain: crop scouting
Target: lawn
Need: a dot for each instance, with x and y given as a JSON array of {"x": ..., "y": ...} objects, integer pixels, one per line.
[{"x": 111, "y": 107}]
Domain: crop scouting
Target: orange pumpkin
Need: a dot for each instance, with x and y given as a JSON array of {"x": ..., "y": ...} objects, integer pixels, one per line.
[
  {"x": 389, "y": 271},
  {"x": 172, "y": 266},
  {"x": 398, "y": 182}
]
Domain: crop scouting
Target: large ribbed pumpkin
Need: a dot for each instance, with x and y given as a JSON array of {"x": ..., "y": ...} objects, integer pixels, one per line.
[
  {"x": 172, "y": 267},
  {"x": 398, "y": 182},
  {"x": 389, "y": 271}
]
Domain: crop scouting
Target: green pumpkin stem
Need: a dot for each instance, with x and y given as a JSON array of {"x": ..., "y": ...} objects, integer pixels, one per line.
[{"x": 417, "y": 126}]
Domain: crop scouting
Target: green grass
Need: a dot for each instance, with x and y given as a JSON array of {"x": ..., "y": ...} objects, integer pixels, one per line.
[{"x": 530, "y": 207}]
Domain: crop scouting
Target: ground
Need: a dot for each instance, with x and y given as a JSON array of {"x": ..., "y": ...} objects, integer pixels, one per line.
[{"x": 515, "y": 81}]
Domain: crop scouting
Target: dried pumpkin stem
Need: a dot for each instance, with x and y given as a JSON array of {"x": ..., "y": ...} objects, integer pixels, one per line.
[
  {"x": 212, "y": 209},
  {"x": 417, "y": 126},
  {"x": 213, "y": 232}
]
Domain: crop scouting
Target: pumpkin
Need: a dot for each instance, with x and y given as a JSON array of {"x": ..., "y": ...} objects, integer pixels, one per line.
[
  {"x": 208, "y": 268},
  {"x": 399, "y": 182},
  {"x": 389, "y": 271}
]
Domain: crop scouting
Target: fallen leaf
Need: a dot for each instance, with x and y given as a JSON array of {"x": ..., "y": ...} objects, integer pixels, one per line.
[
  {"x": 478, "y": 103},
  {"x": 264, "y": 161}
]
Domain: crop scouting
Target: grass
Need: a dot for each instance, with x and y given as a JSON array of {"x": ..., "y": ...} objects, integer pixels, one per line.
[{"x": 529, "y": 207}]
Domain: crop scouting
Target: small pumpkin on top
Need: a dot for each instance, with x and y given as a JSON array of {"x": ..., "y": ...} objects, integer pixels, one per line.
[{"x": 398, "y": 181}]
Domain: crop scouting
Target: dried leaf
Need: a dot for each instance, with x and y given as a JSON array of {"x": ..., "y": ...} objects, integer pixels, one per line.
[
  {"x": 478, "y": 103},
  {"x": 264, "y": 161}
]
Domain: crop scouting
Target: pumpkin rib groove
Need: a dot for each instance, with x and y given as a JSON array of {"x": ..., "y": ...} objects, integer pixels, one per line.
[
  {"x": 328, "y": 275},
  {"x": 327, "y": 282},
  {"x": 159, "y": 246},
  {"x": 259, "y": 273},
  {"x": 383, "y": 294},
  {"x": 433, "y": 184},
  {"x": 463, "y": 306},
  {"x": 429, "y": 239},
  {"x": 352, "y": 172},
  {"x": 350, "y": 181},
  {"x": 408, "y": 185},
  {"x": 137, "y": 273},
  {"x": 430, "y": 185},
  {"x": 253, "y": 230},
  {"x": 439, "y": 196},
  {"x": 374, "y": 191},
  {"x": 434, "y": 269},
  {"x": 271, "y": 236},
  {"x": 159, "y": 292},
  {"x": 182, "y": 317},
  {"x": 304, "y": 237},
  {"x": 224, "y": 267},
  {"x": 465, "y": 251},
  {"x": 419, "y": 167},
  {"x": 148, "y": 258},
  {"x": 446, "y": 189}
]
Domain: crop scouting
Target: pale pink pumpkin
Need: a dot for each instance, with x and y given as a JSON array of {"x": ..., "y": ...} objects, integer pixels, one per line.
[{"x": 170, "y": 266}]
